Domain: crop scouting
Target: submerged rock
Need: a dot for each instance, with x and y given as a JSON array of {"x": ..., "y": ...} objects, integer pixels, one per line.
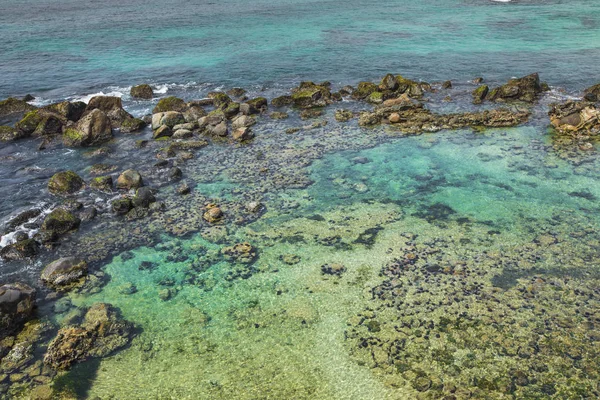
[
  {"x": 93, "y": 129},
  {"x": 333, "y": 269},
  {"x": 64, "y": 273},
  {"x": 242, "y": 252},
  {"x": 212, "y": 214},
  {"x": 16, "y": 306},
  {"x": 67, "y": 182},
  {"x": 102, "y": 332},
  {"x": 143, "y": 197},
  {"x": 343, "y": 115},
  {"x": 143, "y": 91}
]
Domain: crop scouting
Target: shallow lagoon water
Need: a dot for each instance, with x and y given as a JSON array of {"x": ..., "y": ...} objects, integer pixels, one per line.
[{"x": 287, "y": 330}]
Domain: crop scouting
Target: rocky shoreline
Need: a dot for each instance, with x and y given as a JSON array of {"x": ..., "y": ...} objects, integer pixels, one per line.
[{"x": 132, "y": 213}]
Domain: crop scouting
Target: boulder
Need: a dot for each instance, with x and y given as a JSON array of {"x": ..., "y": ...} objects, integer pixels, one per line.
[
  {"x": 213, "y": 214},
  {"x": 101, "y": 333},
  {"x": 592, "y": 93},
  {"x": 64, "y": 273},
  {"x": 72, "y": 111},
  {"x": 259, "y": 104},
  {"x": 170, "y": 103},
  {"x": 93, "y": 129},
  {"x": 132, "y": 125},
  {"x": 104, "y": 103},
  {"x": 231, "y": 110},
  {"x": 143, "y": 197},
  {"x": 524, "y": 89},
  {"x": 480, "y": 93},
  {"x": 243, "y": 121},
  {"x": 60, "y": 221},
  {"x": 182, "y": 134},
  {"x": 162, "y": 132},
  {"x": 389, "y": 82},
  {"x": 143, "y": 91},
  {"x": 447, "y": 85},
  {"x": 14, "y": 106},
  {"x": 219, "y": 99},
  {"x": 17, "y": 301},
  {"x": 242, "y": 134},
  {"x": 310, "y": 95},
  {"x": 66, "y": 182},
  {"x": 282, "y": 101},
  {"x": 193, "y": 113},
  {"x": 102, "y": 183},
  {"x": 364, "y": 90},
  {"x": 20, "y": 250},
  {"x": 168, "y": 118},
  {"x": 236, "y": 92},
  {"x": 219, "y": 129},
  {"x": 343, "y": 115},
  {"x": 130, "y": 179},
  {"x": 121, "y": 206},
  {"x": 41, "y": 122}
]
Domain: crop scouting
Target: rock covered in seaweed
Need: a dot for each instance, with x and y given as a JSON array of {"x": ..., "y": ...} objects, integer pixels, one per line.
[
  {"x": 17, "y": 301},
  {"x": 143, "y": 91},
  {"x": 130, "y": 179},
  {"x": 20, "y": 250},
  {"x": 524, "y": 89},
  {"x": 93, "y": 129},
  {"x": 64, "y": 273},
  {"x": 14, "y": 106},
  {"x": 102, "y": 332},
  {"x": 66, "y": 182}
]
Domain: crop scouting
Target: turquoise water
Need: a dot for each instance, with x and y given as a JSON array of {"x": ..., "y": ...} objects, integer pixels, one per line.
[
  {"x": 57, "y": 49},
  {"x": 465, "y": 263}
]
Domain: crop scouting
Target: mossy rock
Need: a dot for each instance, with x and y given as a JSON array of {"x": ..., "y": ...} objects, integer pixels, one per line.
[
  {"x": 29, "y": 122},
  {"x": 103, "y": 183},
  {"x": 282, "y": 101},
  {"x": 480, "y": 93},
  {"x": 375, "y": 98},
  {"x": 13, "y": 106},
  {"x": 72, "y": 111},
  {"x": 389, "y": 82},
  {"x": 220, "y": 99},
  {"x": 66, "y": 182},
  {"x": 364, "y": 90},
  {"x": 170, "y": 103},
  {"x": 121, "y": 206},
  {"x": 143, "y": 91},
  {"x": 9, "y": 134},
  {"x": 258, "y": 103},
  {"x": 132, "y": 125},
  {"x": 65, "y": 273},
  {"x": 231, "y": 110},
  {"x": 60, "y": 221}
]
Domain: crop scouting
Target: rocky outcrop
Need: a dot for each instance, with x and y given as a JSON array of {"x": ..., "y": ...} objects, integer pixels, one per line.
[
  {"x": 93, "y": 129},
  {"x": 575, "y": 117},
  {"x": 411, "y": 117},
  {"x": 66, "y": 182},
  {"x": 65, "y": 273},
  {"x": 213, "y": 214},
  {"x": 14, "y": 106},
  {"x": 9, "y": 134},
  {"x": 311, "y": 95},
  {"x": 143, "y": 197},
  {"x": 101, "y": 333},
  {"x": 112, "y": 107},
  {"x": 16, "y": 306},
  {"x": 102, "y": 183},
  {"x": 524, "y": 89},
  {"x": 143, "y": 91}
]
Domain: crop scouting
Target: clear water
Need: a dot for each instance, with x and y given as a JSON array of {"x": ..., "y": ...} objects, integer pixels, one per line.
[
  {"x": 67, "y": 47},
  {"x": 502, "y": 300}
]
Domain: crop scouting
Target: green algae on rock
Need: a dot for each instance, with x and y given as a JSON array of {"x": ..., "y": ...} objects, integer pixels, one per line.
[{"x": 67, "y": 182}]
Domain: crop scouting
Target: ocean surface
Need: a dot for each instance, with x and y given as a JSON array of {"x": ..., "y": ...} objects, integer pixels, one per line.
[{"x": 470, "y": 259}]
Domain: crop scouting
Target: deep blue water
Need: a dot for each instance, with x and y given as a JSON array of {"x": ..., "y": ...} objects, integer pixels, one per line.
[{"x": 60, "y": 48}]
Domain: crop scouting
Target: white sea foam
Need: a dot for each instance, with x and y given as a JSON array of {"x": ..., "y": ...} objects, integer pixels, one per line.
[{"x": 114, "y": 93}]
